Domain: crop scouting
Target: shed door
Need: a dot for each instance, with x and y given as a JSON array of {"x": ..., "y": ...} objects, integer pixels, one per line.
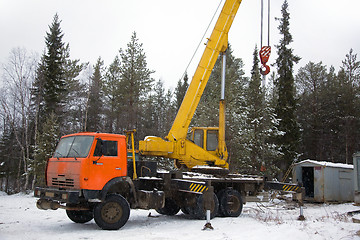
[
  {"x": 346, "y": 185},
  {"x": 308, "y": 181}
]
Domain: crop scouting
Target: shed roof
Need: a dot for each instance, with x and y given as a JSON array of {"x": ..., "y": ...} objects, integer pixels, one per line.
[{"x": 326, "y": 164}]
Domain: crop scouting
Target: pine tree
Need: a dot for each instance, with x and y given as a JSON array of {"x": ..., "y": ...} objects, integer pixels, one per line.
[
  {"x": 114, "y": 100},
  {"x": 312, "y": 90},
  {"x": 331, "y": 144},
  {"x": 352, "y": 68},
  {"x": 328, "y": 110},
  {"x": 94, "y": 112},
  {"x": 349, "y": 103},
  {"x": 136, "y": 83},
  {"x": 286, "y": 104}
]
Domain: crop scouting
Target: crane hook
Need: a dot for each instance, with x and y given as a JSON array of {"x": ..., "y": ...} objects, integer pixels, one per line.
[{"x": 264, "y": 57}]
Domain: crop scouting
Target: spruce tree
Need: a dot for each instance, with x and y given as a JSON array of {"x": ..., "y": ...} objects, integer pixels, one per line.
[
  {"x": 56, "y": 88},
  {"x": 286, "y": 104},
  {"x": 54, "y": 82},
  {"x": 255, "y": 117},
  {"x": 45, "y": 147},
  {"x": 258, "y": 128}
]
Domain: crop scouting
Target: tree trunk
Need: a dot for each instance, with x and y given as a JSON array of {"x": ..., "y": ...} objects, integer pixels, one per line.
[{"x": 33, "y": 182}]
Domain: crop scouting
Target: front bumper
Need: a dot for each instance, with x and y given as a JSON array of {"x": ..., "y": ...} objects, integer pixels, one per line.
[{"x": 62, "y": 196}]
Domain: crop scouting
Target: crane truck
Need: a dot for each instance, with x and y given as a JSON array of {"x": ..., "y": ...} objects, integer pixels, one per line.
[{"x": 92, "y": 176}]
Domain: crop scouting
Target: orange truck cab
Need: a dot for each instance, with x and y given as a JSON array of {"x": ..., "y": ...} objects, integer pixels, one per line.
[
  {"x": 84, "y": 167},
  {"x": 87, "y": 161}
]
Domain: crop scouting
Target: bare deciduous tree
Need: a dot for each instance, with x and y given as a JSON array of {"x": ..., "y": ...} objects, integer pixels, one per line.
[{"x": 18, "y": 76}]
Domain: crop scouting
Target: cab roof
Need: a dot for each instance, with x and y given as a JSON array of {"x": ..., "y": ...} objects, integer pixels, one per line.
[{"x": 95, "y": 134}]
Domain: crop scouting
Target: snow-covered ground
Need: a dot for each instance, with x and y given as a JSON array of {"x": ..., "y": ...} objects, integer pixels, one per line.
[{"x": 20, "y": 219}]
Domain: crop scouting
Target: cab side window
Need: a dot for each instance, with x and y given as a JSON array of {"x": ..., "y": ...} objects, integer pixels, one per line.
[
  {"x": 108, "y": 148},
  {"x": 199, "y": 137},
  {"x": 212, "y": 140}
]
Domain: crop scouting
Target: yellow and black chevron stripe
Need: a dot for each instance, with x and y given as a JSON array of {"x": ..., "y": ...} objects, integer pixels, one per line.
[
  {"x": 194, "y": 187},
  {"x": 290, "y": 188}
]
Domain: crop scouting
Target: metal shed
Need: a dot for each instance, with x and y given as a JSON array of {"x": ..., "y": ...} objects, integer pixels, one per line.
[{"x": 325, "y": 181}]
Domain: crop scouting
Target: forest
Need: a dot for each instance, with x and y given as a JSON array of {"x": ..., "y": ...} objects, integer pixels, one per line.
[{"x": 311, "y": 114}]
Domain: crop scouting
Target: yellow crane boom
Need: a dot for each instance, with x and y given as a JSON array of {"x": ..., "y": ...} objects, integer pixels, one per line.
[{"x": 175, "y": 145}]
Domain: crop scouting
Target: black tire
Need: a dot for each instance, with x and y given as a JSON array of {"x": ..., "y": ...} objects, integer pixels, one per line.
[
  {"x": 199, "y": 211},
  {"x": 113, "y": 213},
  {"x": 170, "y": 208},
  {"x": 231, "y": 203},
  {"x": 80, "y": 216}
]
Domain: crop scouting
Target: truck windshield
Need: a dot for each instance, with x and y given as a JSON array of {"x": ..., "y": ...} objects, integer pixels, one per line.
[{"x": 76, "y": 146}]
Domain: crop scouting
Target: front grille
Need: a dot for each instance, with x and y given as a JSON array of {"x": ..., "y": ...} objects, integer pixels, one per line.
[{"x": 63, "y": 182}]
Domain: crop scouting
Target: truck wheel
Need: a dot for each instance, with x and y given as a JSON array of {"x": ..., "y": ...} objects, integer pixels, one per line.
[
  {"x": 170, "y": 208},
  {"x": 231, "y": 203},
  {"x": 80, "y": 216},
  {"x": 113, "y": 213},
  {"x": 199, "y": 210}
]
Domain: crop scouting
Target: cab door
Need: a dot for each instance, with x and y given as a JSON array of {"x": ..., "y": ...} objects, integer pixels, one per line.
[{"x": 106, "y": 161}]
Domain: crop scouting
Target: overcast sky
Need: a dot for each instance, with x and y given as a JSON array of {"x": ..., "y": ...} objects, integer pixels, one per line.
[{"x": 323, "y": 30}]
